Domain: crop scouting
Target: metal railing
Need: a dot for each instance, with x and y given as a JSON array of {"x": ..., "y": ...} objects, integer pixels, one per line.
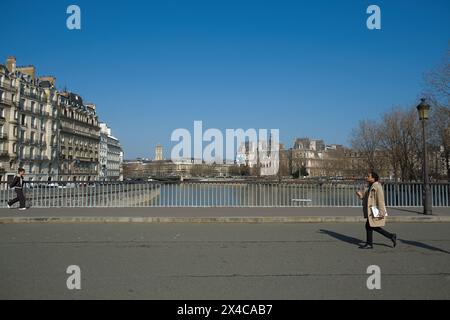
[
  {"x": 34, "y": 96},
  {"x": 5, "y": 100},
  {"x": 5, "y": 85},
  {"x": 218, "y": 194}
]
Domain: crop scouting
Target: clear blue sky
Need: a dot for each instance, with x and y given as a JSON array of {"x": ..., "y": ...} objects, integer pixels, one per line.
[{"x": 308, "y": 68}]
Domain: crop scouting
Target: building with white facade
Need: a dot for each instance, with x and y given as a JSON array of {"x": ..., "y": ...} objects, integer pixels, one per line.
[
  {"x": 111, "y": 155},
  {"x": 265, "y": 157}
]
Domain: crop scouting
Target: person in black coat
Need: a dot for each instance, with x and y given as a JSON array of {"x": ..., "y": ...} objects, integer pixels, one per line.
[{"x": 18, "y": 184}]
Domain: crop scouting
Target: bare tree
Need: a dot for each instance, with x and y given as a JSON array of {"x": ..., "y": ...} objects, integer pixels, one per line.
[
  {"x": 437, "y": 81},
  {"x": 437, "y": 91},
  {"x": 400, "y": 138},
  {"x": 440, "y": 136},
  {"x": 235, "y": 170},
  {"x": 334, "y": 163},
  {"x": 365, "y": 139},
  {"x": 204, "y": 170}
]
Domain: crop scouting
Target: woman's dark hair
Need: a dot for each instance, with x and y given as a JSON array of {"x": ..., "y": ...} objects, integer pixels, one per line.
[
  {"x": 21, "y": 170},
  {"x": 375, "y": 175}
]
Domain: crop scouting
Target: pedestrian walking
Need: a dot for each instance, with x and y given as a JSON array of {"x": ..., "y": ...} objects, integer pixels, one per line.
[
  {"x": 18, "y": 185},
  {"x": 374, "y": 210}
]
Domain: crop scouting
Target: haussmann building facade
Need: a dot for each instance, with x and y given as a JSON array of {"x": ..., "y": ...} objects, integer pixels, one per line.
[{"x": 53, "y": 135}]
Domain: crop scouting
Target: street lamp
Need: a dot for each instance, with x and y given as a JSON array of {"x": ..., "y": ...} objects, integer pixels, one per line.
[{"x": 423, "y": 108}]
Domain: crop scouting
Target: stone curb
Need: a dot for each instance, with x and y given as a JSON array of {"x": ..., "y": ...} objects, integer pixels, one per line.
[{"x": 293, "y": 219}]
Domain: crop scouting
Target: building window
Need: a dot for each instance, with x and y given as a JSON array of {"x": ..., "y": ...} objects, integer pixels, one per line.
[
  {"x": 2, "y": 113},
  {"x": 16, "y": 115}
]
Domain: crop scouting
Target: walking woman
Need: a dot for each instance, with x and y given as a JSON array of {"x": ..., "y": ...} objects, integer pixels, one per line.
[
  {"x": 373, "y": 204},
  {"x": 18, "y": 186}
]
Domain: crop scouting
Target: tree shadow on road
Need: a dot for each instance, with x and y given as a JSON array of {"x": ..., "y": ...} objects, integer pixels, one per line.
[
  {"x": 344, "y": 238},
  {"x": 422, "y": 245}
]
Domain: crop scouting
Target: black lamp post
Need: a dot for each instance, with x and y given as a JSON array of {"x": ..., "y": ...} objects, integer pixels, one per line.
[{"x": 423, "y": 109}]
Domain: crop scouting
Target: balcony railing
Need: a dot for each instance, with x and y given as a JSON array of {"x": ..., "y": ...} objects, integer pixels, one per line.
[
  {"x": 5, "y": 100},
  {"x": 25, "y": 93},
  {"x": 33, "y": 96},
  {"x": 33, "y": 111},
  {"x": 39, "y": 158},
  {"x": 5, "y": 85}
]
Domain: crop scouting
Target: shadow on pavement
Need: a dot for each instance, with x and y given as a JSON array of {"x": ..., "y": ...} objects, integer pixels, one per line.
[
  {"x": 350, "y": 240},
  {"x": 422, "y": 245},
  {"x": 409, "y": 210},
  {"x": 358, "y": 242},
  {"x": 342, "y": 237}
]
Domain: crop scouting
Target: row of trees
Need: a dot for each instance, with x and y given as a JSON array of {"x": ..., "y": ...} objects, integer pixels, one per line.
[{"x": 394, "y": 143}]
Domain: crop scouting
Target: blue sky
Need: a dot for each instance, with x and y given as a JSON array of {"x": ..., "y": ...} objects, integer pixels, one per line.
[{"x": 308, "y": 68}]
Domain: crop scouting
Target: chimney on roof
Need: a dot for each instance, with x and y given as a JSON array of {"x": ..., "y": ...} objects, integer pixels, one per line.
[
  {"x": 50, "y": 79},
  {"x": 11, "y": 64},
  {"x": 29, "y": 70}
]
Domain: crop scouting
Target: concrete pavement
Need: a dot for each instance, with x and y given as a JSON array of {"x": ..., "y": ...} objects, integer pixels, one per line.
[
  {"x": 212, "y": 215},
  {"x": 222, "y": 261}
]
